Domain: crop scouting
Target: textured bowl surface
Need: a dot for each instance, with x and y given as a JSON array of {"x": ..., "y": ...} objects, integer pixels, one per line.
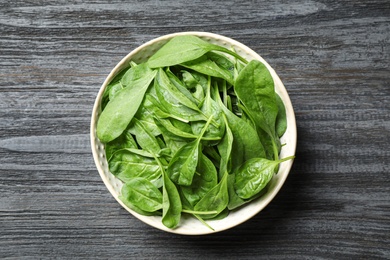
[{"x": 190, "y": 225}]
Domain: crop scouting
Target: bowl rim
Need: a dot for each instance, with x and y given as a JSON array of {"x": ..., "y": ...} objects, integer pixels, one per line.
[{"x": 281, "y": 90}]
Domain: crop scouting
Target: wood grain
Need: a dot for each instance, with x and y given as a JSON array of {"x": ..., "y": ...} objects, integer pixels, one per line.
[{"x": 333, "y": 57}]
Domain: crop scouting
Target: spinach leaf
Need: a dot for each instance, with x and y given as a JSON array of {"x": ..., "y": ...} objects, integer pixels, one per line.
[
  {"x": 112, "y": 87},
  {"x": 119, "y": 111},
  {"x": 126, "y": 164},
  {"x": 185, "y": 127},
  {"x": 117, "y": 83},
  {"x": 146, "y": 117},
  {"x": 174, "y": 101},
  {"x": 145, "y": 139},
  {"x": 182, "y": 167},
  {"x": 267, "y": 142},
  {"x": 172, "y": 206},
  {"x": 142, "y": 194},
  {"x": 173, "y": 142},
  {"x": 215, "y": 199},
  {"x": 254, "y": 175},
  {"x": 210, "y": 108},
  {"x": 182, "y": 88},
  {"x": 225, "y": 150},
  {"x": 234, "y": 200},
  {"x": 130, "y": 205},
  {"x": 192, "y": 79},
  {"x": 207, "y": 66},
  {"x": 125, "y": 140},
  {"x": 157, "y": 110},
  {"x": 238, "y": 66},
  {"x": 223, "y": 214},
  {"x": 246, "y": 142},
  {"x": 211, "y": 152},
  {"x": 254, "y": 86},
  {"x": 166, "y": 84},
  {"x": 166, "y": 125},
  {"x": 205, "y": 178},
  {"x": 222, "y": 61},
  {"x": 196, "y": 83},
  {"x": 134, "y": 74},
  {"x": 184, "y": 48},
  {"x": 139, "y": 152},
  {"x": 281, "y": 118}
]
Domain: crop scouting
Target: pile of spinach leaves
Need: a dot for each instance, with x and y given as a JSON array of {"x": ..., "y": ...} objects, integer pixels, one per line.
[{"x": 193, "y": 130}]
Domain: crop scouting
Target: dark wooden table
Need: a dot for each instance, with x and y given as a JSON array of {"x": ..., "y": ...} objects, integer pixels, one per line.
[{"x": 333, "y": 57}]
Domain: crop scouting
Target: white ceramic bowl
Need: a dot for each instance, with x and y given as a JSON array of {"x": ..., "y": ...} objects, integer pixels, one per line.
[{"x": 190, "y": 225}]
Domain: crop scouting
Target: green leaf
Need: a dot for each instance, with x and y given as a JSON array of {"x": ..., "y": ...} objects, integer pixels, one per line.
[
  {"x": 255, "y": 88},
  {"x": 172, "y": 206},
  {"x": 146, "y": 117},
  {"x": 125, "y": 140},
  {"x": 215, "y": 199},
  {"x": 196, "y": 83},
  {"x": 143, "y": 194},
  {"x": 181, "y": 168},
  {"x": 267, "y": 142},
  {"x": 166, "y": 125},
  {"x": 145, "y": 139},
  {"x": 113, "y": 87},
  {"x": 157, "y": 110},
  {"x": 172, "y": 141},
  {"x": 126, "y": 164},
  {"x": 246, "y": 142},
  {"x": 119, "y": 111},
  {"x": 234, "y": 200},
  {"x": 182, "y": 88},
  {"x": 254, "y": 175},
  {"x": 281, "y": 118},
  {"x": 225, "y": 150},
  {"x": 209, "y": 67},
  {"x": 184, "y": 48},
  {"x": 166, "y": 84},
  {"x": 205, "y": 178},
  {"x": 210, "y": 108},
  {"x": 173, "y": 101},
  {"x": 211, "y": 152},
  {"x": 238, "y": 66},
  {"x": 222, "y": 61},
  {"x": 136, "y": 209},
  {"x": 139, "y": 152}
]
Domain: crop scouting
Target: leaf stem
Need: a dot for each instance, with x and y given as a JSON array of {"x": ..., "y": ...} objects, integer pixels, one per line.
[
  {"x": 205, "y": 128},
  {"x": 275, "y": 148},
  {"x": 194, "y": 212},
  {"x": 204, "y": 222},
  {"x": 286, "y": 158},
  {"x": 236, "y": 55}
]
